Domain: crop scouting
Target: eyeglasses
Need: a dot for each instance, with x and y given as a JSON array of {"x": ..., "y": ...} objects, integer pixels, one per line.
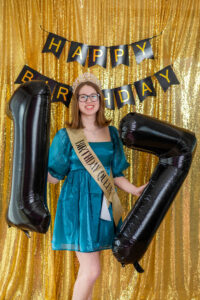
[{"x": 84, "y": 98}]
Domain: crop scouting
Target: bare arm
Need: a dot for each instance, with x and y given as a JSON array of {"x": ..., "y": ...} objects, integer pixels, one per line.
[
  {"x": 52, "y": 179},
  {"x": 128, "y": 187}
]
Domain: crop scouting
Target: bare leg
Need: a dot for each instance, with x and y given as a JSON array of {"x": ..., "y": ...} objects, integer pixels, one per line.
[
  {"x": 89, "y": 271},
  {"x": 90, "y": 296}
]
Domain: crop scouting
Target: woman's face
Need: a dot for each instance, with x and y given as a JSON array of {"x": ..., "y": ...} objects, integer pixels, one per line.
[{"x": 89, "y": 107}]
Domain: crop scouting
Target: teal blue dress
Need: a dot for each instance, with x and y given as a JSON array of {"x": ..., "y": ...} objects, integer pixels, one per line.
[{"x": 78, "y": 225}]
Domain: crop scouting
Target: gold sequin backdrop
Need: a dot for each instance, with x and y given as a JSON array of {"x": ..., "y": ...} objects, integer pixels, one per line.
[{"x": 29, "y": 269}]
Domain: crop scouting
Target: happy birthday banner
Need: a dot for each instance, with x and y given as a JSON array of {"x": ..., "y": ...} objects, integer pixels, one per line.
[
  {"x": 61, "y": 92},
  {"x": 98, "y": 54}
]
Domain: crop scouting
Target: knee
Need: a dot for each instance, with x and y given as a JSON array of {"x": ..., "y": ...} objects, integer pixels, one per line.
[
  {"x": 95, "y": 273},
  {"x": 91, "y": 274}
]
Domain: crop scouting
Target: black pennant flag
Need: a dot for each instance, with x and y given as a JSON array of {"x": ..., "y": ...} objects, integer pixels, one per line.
[
  {"x": 78, "y": 52},
  {"x": 51, "y": 83},
  {"x": 109, "y": 98},
  {"x": 142, "y": 50},
  {"x": 54, "y": 44},
  {"x": 144, "y": 88},
  {"x": 119, "y": 55},
  {"x": 62, "y": 93},
  {"x": 29, "y": 74},
  {"x": 124, "y": 95},
  {"x": 166, "y": 77},
  {"x": 97, "y": 56}
]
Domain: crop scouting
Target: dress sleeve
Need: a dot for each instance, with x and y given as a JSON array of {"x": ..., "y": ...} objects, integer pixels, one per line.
[
  {"x": 119, "y": 162},
  {"x": 59, "y": 155}
]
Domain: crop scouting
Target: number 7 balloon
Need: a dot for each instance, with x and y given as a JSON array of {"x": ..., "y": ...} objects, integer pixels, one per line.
[{"x": 175, "y": 148}]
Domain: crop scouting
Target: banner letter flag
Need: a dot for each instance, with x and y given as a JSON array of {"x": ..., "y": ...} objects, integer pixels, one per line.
[
  {"x": 97, "y": 56},
  {"x": 142, "y": 50},
  {"x": 166, "y": 77},
  {"x": 144, "y": 88},
  {"x": 62, "y": 93},
  {"x": 124, "y": 95},
  {"x": 78, "y": 52},
  {"x": 119, "y": 55},
  {"x": 109, "y": 98},
  {"x": 54, "y": 44},
  {"x": 51, "y": 83},
  {"x": 29, "y": 74}
]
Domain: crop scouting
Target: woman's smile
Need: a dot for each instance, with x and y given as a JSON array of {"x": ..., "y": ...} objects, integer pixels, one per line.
[{"x": 89, "y": 107}]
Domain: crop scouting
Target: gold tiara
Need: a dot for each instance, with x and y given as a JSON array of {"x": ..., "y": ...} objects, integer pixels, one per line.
[{"x": 86, "y": 77}]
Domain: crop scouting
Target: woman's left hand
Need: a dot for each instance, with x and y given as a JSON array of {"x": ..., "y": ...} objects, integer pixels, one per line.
[{"x": 140, "y": 189}]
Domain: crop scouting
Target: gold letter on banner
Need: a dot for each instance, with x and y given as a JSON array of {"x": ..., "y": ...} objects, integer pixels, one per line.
[
  {"x": 78, "y": 53},
  {"x": 142, "y": 48},
  {"x": 107, "y": 99},
  {"x": 120, "y": 95},
  {"x": 62, "y": 91},
  {"x": 120, "y": 54},
  {"x": 54, "y": 44},
  {"x": 147, "y": 88},
  {"x": 28, "y": 75},
  {"x": 165, "y": 76},
  {"x": 97, "y": 55}
]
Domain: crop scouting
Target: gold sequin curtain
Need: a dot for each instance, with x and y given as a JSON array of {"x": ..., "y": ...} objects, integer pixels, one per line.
[{"x": 29, "y": 269}]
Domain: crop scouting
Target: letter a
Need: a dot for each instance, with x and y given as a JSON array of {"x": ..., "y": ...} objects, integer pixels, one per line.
[
  {"x": 78, "y": 52},
  {"x": 145, "y": 89}
]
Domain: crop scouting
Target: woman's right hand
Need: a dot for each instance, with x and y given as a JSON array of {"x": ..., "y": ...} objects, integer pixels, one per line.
[{"x": 52, "y": 179}]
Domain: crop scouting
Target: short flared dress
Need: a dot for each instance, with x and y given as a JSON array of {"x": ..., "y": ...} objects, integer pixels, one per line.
[{"x": 78, "y": 224}]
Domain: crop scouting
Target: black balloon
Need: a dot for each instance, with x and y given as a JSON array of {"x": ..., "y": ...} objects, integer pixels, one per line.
[
  {"x": 30, "y": 109},
  {"x": 175, "y": 148}
]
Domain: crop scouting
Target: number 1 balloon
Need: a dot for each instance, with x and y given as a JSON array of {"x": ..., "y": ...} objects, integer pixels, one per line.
[
  {"x": 30, "y": 109},
  {"x": 175, "y": 148}
]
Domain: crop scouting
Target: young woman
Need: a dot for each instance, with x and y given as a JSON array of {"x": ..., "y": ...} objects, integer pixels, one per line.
[{"x": 83, "y": 222}]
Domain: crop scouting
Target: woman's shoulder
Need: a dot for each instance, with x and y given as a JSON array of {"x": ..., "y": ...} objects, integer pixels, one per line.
[
  {"x": 113, "y": 130},
  {"x": 61, "y": 132},
  {"x": 62, "y": 135}
]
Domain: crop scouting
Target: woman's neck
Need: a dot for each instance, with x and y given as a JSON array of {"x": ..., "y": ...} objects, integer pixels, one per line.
[{"x": 89, "y": 122}]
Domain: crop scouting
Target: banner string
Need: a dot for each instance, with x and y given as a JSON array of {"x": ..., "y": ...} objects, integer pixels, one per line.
[
  {"x": 49, "y": 32},
  {"x": 106, "y": 46}
]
